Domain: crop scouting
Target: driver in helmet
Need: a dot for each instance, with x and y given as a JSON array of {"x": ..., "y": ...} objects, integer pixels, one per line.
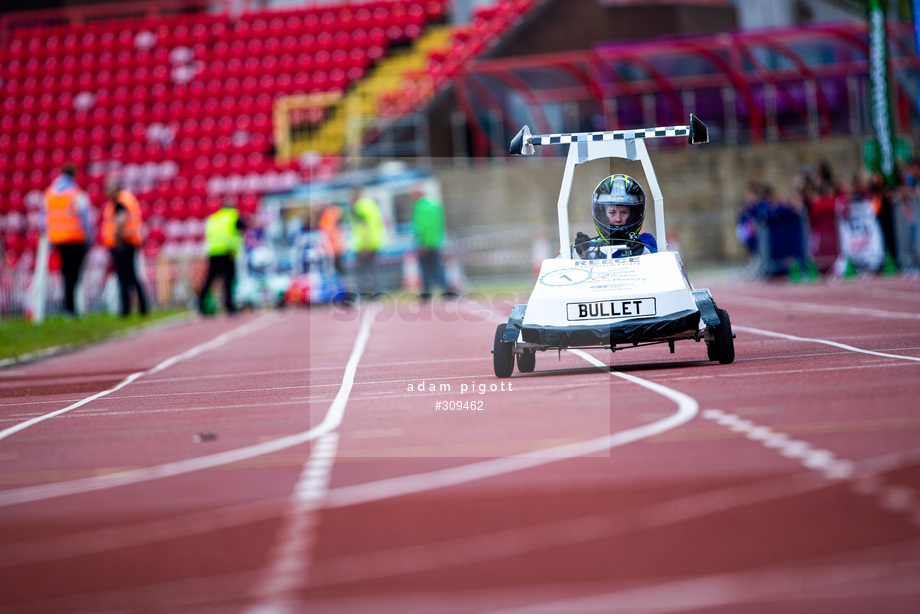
[{"x": 618, "y": 207}]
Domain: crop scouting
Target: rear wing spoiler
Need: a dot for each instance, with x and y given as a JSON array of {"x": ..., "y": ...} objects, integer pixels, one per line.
[
  {"x": 523, "y": 143},
  {"x": 625, "y": 144}
]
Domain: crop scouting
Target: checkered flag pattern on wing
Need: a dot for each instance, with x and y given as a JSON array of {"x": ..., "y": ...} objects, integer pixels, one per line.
[{"x": 617, "y": 135}]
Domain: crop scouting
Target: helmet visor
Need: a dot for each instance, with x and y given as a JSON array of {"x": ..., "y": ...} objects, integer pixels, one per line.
[{"x": 618, "y": 207}]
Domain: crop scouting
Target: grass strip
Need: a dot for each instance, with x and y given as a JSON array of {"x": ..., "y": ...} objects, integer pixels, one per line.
[{"x": 22, "y": 341}]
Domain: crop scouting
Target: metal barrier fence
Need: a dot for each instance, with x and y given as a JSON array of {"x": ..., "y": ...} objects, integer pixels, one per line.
[{"x": 167, "y": 283}]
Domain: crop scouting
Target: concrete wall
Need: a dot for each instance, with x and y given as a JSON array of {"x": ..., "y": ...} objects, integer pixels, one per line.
[{"x": 703, "y": 190}]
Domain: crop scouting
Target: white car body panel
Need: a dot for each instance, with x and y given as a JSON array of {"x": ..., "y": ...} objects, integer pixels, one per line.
[{"x": 565, "y": 283}]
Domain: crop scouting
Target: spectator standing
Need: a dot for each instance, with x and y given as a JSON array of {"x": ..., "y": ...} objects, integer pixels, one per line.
[
  {"x": 368, "y": 235},
  {"x": 122, "y": 233},
  {"x": 330, "y": 225},
  {"x": 66, "y": 222},
  {"x": 824, "y": 247},
  {"x": 223, "y": 238},
  {"x": 882, "y": 202},
  {"x": 754, "y": 211},
  {"x": 428, "y": 230}
]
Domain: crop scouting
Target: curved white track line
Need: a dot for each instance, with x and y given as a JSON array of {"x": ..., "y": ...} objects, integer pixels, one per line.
[
  {"x": 195, "y": 351},
  {"x": 687, "y": 409},
  {"x": 331, "y": 421},
  {"x": 820, "y": 308},
  {"x": 769, "y": 333}
]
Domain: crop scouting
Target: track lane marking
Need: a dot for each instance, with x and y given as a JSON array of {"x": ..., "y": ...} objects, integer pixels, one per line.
[
  {"x": 843, "y": 346},
  {"x": 195, "y": 351},
  {"x": 455, "y": 551},
  {"x": 113, "y": 412},
  {"x": 894, "y": 499},
  {"x": 688, "y": 408},
  {"x": 330, "y": 422},
  {"x": 823, "y": 461},
  {"x": 819, "y": 308},
  {"x": 900, "y": 357},
  {"x": 291, "y": 559},
  {"x": 744, "y": 589},
  {"x": 292, "y": 554},
  {"x": 479, "y": 376}
]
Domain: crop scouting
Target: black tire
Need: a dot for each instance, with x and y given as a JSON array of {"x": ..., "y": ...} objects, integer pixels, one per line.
[
  {"x": 722, "y": 347},
  {"x": 502, "y": 354},
  {"x": 711, "y": 351},
  {"x": 527, "y": 361}
]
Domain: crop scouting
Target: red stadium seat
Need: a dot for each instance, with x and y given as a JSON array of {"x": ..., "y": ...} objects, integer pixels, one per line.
[
  {"x": 196, "y": 208},
  {"x": 224, "y": 126},
  {"x": 220, "y": 118},
  {"x": 177, "y": 209},
  {"x": 160, "y": 208},
  {"x": 199, "y": 184},
  {"x": 213, "y": 204},
  {"x": 308, "y": 43},
  {"x": 283, "y": 82},
  {"x": 338, "y": 79},
  {"x": 290, "y": 44}
]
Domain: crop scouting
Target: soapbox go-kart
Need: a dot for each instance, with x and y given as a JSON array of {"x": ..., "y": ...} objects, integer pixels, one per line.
[{"x": 607, "y": 302}]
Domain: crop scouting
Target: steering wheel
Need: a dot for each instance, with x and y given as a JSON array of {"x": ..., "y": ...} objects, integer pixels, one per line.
[{"x": 590, "y": 246}]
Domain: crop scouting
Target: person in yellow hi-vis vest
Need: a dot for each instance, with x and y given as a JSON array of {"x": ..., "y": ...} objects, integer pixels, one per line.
[
  {"x": 122, "y": 233},
  {"x": 368, "y": 235},
  {"x": 223, "y": 238},
  {"x": 66, "y": 222}
]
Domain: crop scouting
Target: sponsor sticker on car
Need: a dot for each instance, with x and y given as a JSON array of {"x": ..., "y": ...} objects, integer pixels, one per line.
[{"x": 603, "y": 310}]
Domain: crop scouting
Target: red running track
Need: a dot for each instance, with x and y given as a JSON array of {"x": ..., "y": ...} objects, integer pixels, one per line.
[{"x": 280, "y": 462}]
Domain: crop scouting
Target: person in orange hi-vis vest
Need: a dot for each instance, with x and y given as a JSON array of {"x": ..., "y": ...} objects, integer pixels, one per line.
[
  {"x": 122, "y": 233},
  {"x": 329, "y": 225},
  {"x": 67, "y": 225}
]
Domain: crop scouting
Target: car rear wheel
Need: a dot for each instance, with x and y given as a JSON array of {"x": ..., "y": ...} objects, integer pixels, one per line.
[
  {"x": 722, "y": 346},
  {"x": 502, "y": 354},
  {"x": 527, "y": 361}
]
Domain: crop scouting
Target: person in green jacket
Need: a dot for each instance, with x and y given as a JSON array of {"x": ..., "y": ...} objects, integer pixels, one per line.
[
  {"x": 428, "y": 230},
  {"x": 223, "y": 238},
  {"x": 368, "y": 235}
]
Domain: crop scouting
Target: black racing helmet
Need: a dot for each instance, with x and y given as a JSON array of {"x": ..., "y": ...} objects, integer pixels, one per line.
[{"x": 618, "y": 190}]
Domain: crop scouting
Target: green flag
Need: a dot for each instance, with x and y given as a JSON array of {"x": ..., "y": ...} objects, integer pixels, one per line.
[{"x": 879, "y": 103}]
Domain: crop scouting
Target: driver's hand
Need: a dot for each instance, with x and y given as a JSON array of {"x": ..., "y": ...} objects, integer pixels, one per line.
[{"x": 582, "y": 242}]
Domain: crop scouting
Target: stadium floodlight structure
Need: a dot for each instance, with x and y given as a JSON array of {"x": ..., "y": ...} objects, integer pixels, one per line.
[{"x": 625, "y": 144}]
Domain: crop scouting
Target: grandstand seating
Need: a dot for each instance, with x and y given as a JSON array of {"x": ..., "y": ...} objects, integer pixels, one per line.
[{"x": 182, "y": 104}]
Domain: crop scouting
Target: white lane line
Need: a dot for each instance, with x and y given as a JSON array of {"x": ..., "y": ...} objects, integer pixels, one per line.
[
  {"x": 843, "y": 346},
  {"x": 910, "y": 296},
  {"x": 812, "y": 458},
  {"x": 467, "y": 550},
  {"x": 290, "y": 562},
  {"x": 819, "y": 308},
  {"x": 111, "y": 538},
  {"x": 744, "y": 590},
  {"x": 196, "y": 378},
  {"x": 865, "y": 481},
  {"x": 580, "y": 382},
  {"x": 90, "y": 413},
  {"x": 520, "y": 541},
  {"x": 394, "y": 487},
  {"x": 330, "y": 422},
  {"x": 195, "y": 351}
]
